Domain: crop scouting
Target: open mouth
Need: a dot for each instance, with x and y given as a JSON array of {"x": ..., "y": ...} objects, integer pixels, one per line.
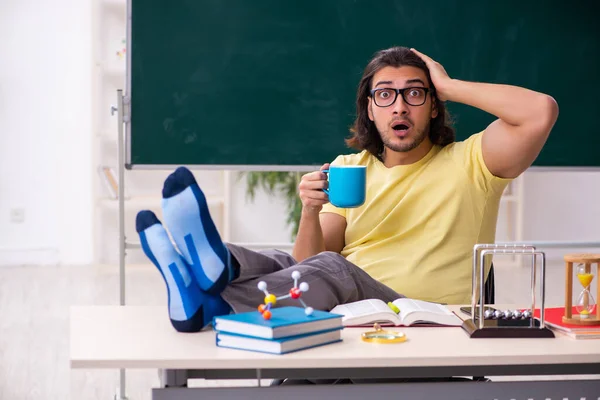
[{"x": 400, "y": 127}]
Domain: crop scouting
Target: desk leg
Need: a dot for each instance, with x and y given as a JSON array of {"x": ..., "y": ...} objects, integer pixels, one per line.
[{"x": 173, "y": 378}]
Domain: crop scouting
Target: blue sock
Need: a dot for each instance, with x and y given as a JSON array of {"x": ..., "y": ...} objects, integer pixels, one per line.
[
  {"x": 187, "y": 217},
  {"x": 190, "y": 309}
]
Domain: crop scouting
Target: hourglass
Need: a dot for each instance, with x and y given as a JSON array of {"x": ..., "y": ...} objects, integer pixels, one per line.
[{"x": 584, "y": 311}]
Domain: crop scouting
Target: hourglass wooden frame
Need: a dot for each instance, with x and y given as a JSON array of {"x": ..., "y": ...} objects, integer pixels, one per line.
[{"x": 587, "y": 260}]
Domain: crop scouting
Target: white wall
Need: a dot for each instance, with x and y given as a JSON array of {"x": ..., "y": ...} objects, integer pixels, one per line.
[
  {"x": 562, "y": 206},
  {"x": 45, "y": 140}
]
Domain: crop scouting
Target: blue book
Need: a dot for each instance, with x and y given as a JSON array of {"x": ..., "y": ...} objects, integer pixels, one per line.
[
  {"x": 278, "y": 346},
  {"x": 284, "y": 322}
]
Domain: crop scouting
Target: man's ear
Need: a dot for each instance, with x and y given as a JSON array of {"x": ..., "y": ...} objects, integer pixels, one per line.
[
  {"x": 370, "y": 109},
  {"x": 434, "y": 109}
]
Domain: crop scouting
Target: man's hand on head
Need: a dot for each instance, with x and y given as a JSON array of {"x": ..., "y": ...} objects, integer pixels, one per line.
[
  {"x": 512, "y": 142},
  {"x": 439, "y": 76}
]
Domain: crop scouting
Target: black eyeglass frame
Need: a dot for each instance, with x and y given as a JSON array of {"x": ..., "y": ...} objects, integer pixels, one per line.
[{"x": 402, "y": 91}]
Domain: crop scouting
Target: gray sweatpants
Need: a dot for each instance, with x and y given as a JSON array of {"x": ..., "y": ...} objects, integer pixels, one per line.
[{"x": 331, "y": 278}]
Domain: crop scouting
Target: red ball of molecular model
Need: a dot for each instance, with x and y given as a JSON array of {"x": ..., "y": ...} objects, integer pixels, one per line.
[{"x": 295, "y": 293}]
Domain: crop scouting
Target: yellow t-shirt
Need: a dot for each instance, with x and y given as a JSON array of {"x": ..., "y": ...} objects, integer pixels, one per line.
[{"x": 419, "y": 223}]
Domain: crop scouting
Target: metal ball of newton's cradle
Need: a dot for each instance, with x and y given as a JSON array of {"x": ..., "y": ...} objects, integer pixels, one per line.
[{"x": 506, "y": 314}]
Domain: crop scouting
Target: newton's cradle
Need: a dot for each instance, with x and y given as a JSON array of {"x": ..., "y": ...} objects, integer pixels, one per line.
[
  {"x": 522, "y": 323},
  {"x": 507, "y": 323}
]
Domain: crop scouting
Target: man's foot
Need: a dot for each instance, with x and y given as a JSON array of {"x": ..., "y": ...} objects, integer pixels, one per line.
[
  {"x": 188, "y": 220},
  {"x": 190, "y": 309}
]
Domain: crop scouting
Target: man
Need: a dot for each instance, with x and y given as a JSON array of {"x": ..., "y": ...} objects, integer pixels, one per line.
[{"x": 429, "y": 200}]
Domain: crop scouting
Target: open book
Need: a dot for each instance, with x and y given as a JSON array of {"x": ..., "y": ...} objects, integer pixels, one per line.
[{"x": 412, "y": 312}]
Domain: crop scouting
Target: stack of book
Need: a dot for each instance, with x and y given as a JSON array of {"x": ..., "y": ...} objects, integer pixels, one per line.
[
  {"x": 553, "y": 318},
  {"x": 289, "y": 329}
]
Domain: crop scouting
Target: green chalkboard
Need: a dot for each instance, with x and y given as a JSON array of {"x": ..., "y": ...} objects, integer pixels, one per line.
[{"x": 273, "y": 82}]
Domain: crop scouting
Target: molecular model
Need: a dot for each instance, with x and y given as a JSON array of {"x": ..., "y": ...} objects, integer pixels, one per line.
[{"x": 295, "y": 293}]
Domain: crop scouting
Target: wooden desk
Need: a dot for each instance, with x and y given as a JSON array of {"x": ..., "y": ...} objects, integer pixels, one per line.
[{"x": 142, "y": 337}]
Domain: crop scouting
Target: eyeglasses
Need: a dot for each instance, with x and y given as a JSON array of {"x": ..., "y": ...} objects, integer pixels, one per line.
[{"x": 414, "y": 96}]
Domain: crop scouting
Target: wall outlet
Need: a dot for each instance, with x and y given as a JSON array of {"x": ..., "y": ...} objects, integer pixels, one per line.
[{"x": 17, "y": 215}]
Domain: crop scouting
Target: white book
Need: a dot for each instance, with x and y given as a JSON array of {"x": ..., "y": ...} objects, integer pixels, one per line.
[{"x": 412, "y": 312}]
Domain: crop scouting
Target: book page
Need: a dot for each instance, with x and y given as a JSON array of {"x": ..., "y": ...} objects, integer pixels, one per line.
[
  {"x": 418, "y": 311},
  {"x": 411, "y": 305},
  {"x": 363, "y": 307},
  {"x": 365, "y": 311}
]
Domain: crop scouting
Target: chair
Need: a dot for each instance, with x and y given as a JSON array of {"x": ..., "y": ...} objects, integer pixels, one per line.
[{"x": 489, "y": 289}]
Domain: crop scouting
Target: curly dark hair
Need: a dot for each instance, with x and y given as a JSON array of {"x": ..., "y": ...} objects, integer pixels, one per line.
[{"x": 365, "y": 135}]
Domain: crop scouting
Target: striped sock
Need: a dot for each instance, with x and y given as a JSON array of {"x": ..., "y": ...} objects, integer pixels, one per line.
[
  {"x": 190, "y": 309},
  {"x": 188, "y": 220}
]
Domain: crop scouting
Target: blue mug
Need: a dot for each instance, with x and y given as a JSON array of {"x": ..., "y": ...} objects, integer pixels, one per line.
[{"x": 347, "y": 185}]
